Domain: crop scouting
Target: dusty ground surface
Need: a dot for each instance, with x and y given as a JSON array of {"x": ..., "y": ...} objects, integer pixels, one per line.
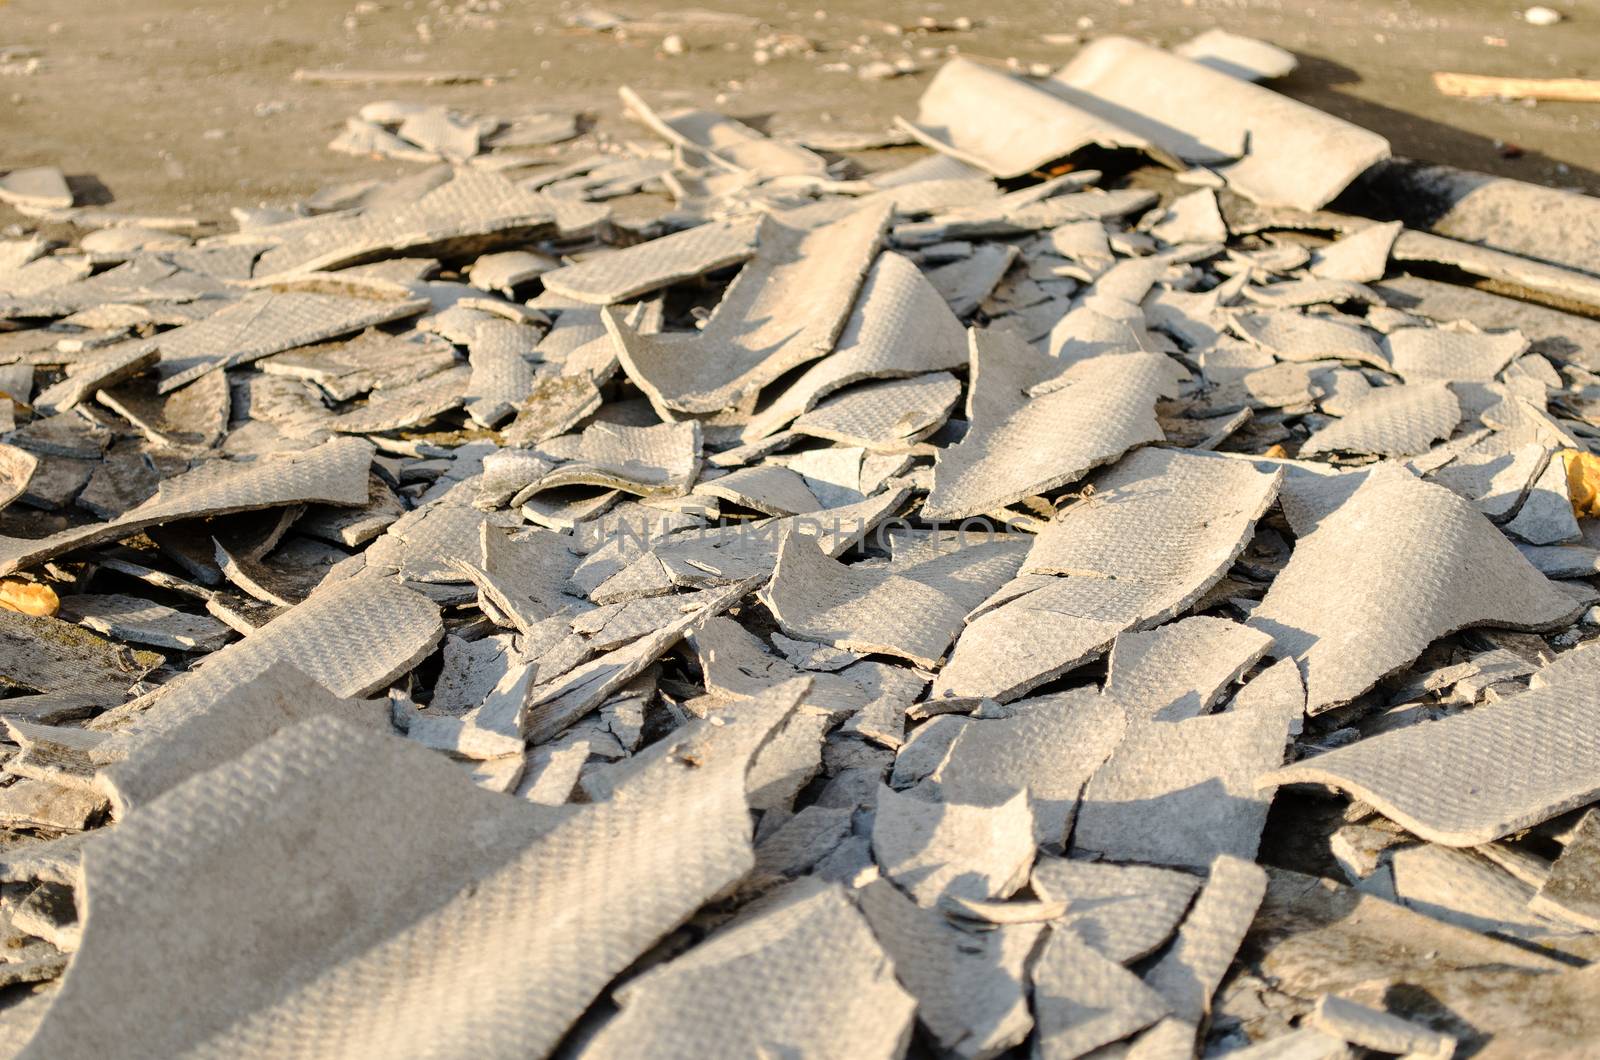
[{"x": 177, "y": 107}]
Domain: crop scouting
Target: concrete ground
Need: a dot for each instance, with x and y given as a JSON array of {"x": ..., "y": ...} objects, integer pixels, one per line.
[{"x": 185, "y": 107}]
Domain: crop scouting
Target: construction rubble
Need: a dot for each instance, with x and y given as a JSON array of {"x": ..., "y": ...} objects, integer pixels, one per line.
[{"x": 1111, "y": 579}]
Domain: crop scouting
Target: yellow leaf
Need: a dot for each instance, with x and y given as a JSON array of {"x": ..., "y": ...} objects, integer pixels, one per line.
[
  {"x": 28, "y": 597},
  {"x": 1583, "y": 481}
]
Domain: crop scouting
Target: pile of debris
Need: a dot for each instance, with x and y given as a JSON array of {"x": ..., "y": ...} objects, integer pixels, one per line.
[{"x": 839, "y": 612}]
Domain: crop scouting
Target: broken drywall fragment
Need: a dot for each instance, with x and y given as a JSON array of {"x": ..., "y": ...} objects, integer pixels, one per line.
[
  {"x": 332, "y": 473},
  {"x": 48, "y": 655},
  {"x": 1572, "y": 890},
  {"x": 663, "y": 459},
  {"x": 786, "y": 307},
  {"x": 1049, "y": 746},
  {"x": 1084, "y": 1001},
  {"x": 1375, "y": 1029},
  {"x": 1191, "y": 218},
  {"x": 970, "y": 987},
  {"x": 1476, "y": 776},
  {"x": 1183, "y": 792},
  {"x": 1292, "y": 154},
  {"x": 1462, "y": 887},
  {"x": 1362, "y": 257},
  {"x": 1123, "y": 911},
  {"x": 1390, "y": 421},
  {"x": 141, "y": 621},
  {"x": 469, "y": 208},
  {"x": 140, "y": 763},
  {"x": 1425, "y": 354},
  {"x": 804, "y": 975},
  {"x": 1179, "y": 670},
  {"x": 886, "y": 417},
  {"x": 1188, "y": 974},
  {"x": 621, "y": 275},
  {"x": 1546, "y": 516},
  {"x": 857, "y": 608},
  {"x": 1294, "y": 336},
  {"x": 434, "y": 897},
  {"x": 931, "y": 849},
  {"x": 1097, "y": 410},
  {"x": 1119, "y": 551},
  {"x": 1396, "y": 538},
  {"x": 900, "y": 326}
]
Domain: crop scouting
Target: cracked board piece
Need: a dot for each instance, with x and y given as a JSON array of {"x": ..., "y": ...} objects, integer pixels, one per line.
[
  {"x": 1005, "y": 125},
  {"x": 1084, "y": 1001},
  {"x": 107, "y": 368},
  {"x": 1391, "y": 421},
  {"x": 886, "y": 417},
  {"x": 1161, "y": 528},
  {"x": 801, "y": 976},
  {"x": 1571, "y": 892},
  {"x": 1292, "y": 154},
  {"x": 352, "y": 639},
  {"x": 934, "y": 849},
  {"x": 196, "y": 415},
  {"x": 707, "y": 137},
  {"x": 553, "y": 405},
  {"x": 766, "y": 488},
  {"x": 17, "y": 467},
  {"x": 970, "y": 987},
  {"x": 1396, "y": 538},
  {"x": 869, "y": 610},
  {"x": 649, "y": 461},
  {"x": 1180, "y": 670},
  {"x": 622, "y": 275},
  {"x": 1101, "y": 407},
  {"x": 501, "y": 375},
  {"x": 141, "y": 763},
  {"x": 334, "y": 472},
  {"x": 1125, "y": 912},
  {"x": 1297, "y": 337},
  {"x": 1461, "y": 887},
  {"x": 267, "y": 322},
  {"x": 787, "y": 306},
  {"x": 1425, "y": 354},
  {"x": 1380, "y": 1031},
  {"x": 900, "y": 327},
  {"x": 469, "y": 212},
  {"x": 1189, "y": 973},
  {"x": 1183, "y": 792},
  {"x": 1050, "y": 746},
  {"x": 1474, "y": 777},
  {"x": 1362, "y": 257},
  {"x": 49, "y": 655},
  {"x": 516, "y": 918},
  {"x": 142, "y": 621},
  {"x": 549, "y": 708},
  {"x": 372, "y": 360}
]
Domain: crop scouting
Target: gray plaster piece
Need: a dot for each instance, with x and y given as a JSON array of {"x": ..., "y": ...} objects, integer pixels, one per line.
[
  {"x": 1123, "y": 911},
  {"x": 1476, "y": 776},
  {"x": 1396, "y": 538},
  {"x": 900, "y": 326},
  {"x": 1392, "y": 421},
  {"x": 621, "y": 275},
  {"x": 786, "y": 307},
  {"x": 1159, "y": 530},
  {"x": 931, "y": 849}
]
